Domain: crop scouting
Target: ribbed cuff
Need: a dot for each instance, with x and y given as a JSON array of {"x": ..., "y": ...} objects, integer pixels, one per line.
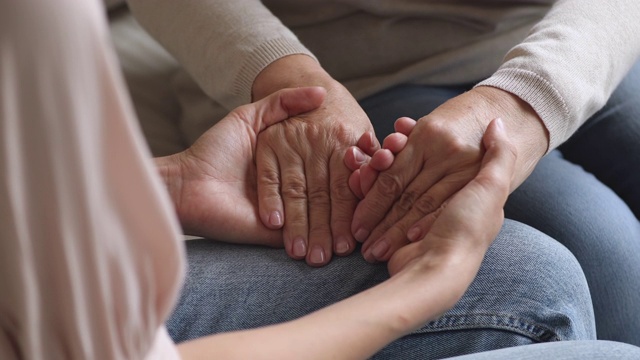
[
  {"x": 545, "y": 100},
  {"x": 260, "y": 58}
]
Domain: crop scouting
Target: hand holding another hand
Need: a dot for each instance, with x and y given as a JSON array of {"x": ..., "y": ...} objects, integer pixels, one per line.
[
  {"x": 430, "y": 275},
  {"x": 213, "y": 183},
  {"x": 472, "y": 218},
  {"x": 443, "y": 153}
]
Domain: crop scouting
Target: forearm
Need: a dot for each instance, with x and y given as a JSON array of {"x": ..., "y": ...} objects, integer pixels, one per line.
[
  {"x": 222, "y": 44},
  {"x": 356, "y": 327},
  {"x": 571, "y": 62}
]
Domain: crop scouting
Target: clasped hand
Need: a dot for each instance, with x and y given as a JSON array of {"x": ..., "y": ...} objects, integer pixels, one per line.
[
  {"x": 303, "y": 181},
  {"x": 213, "y": 183},
  {"x": 440, "y": 154},
  {"x": 237, "y": 182}
]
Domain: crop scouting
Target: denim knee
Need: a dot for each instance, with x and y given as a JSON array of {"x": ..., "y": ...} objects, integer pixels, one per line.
[
  {"x": 575, "y": 208},
  {"x": 529, "y": 284}
]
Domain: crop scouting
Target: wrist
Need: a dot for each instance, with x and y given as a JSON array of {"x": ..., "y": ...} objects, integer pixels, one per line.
[
  {"x": 461, "y": 257},
  {"x": 170, "y": 170},
  {"x": 524, "y": 127},
  {"x": 289, "y": 72},
  {"x": 439, "y": 278}
]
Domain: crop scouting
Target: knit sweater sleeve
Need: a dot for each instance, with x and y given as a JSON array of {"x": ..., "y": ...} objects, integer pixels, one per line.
[
  {"x": 222, "y": 44},
  {"x": 571, "y": 61}
]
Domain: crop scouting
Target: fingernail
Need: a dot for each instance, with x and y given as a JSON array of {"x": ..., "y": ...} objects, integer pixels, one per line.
[
  {"x": 380, "y": 248},
  {"x": 362, "y": 234},
  {"x": 368, "y": 257},
  {"x": 299, "y": 247},
  {"x": 500, "y": 124},
  {"x": 317, "y": 255},
  {"x": 358, "y": 156},
  {"x": 342, "y": 245},
  {"x": 275, "y": 218},
  {"x": 414, "y": 233}
]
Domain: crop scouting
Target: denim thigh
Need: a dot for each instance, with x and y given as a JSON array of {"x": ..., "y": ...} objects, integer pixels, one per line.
[
  {"x": 572, "y": 206},
  {"x": 608, "y": 144},
  {"x": 565, "y": 350},
  {"x": 529, "y": 289}
]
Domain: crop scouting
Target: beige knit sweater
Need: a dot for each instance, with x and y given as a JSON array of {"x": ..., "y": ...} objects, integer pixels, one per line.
[{"x": 562, "y": 57}]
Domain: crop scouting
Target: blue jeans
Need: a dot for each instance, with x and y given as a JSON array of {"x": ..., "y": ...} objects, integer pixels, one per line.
[
  {"x": 529, "y": 289},
  {"x": 565, "y": 350},
  {"x": 584, "y": 195}
]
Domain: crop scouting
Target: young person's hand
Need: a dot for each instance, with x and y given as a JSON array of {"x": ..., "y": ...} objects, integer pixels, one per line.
[{"x": 213, "y": 183}]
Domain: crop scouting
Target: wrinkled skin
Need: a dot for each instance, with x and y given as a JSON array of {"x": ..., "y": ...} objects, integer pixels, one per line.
[
  {"x": 302, "y": 178},
  {"x": 442, "y": 154}
]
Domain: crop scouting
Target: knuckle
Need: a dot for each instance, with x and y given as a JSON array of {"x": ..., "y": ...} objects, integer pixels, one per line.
[
  {"x": 319, "y": 197},
  {"x": 373, "y": 211},
  {"x": 456, "y": 146},
  {"x": 453, "y": 143},
  {"x": 434, "y": 126},
  {"x": 311, "y": 131},
  {"x": 390, "y": 184},
  {"x": 272, "y": 197},
  {"x": 426, "y": 204},
  {"x": 321, "y": 233},
  {"x": 295, "y": 189},
  {"x": 340, "y": 189},
  {"x": 297, "y": 224},
  {"x": 269, "y": 177},
  {"x": 406, "y": 200}
]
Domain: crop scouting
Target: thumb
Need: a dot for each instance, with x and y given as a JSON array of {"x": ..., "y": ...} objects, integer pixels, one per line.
[
  {"x": 498, "y": 163},
  {"x": 284, "y": 104},
  {"x": 475, "y": 212}
]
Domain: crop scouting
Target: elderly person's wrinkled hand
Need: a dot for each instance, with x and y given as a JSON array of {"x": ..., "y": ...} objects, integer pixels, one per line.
[
  {"x": 443, "y": 153},
  {"x": 302, "y": 178}
]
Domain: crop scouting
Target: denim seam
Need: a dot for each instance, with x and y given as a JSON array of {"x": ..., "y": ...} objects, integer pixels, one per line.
[{"x": 522, "y": 326}]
